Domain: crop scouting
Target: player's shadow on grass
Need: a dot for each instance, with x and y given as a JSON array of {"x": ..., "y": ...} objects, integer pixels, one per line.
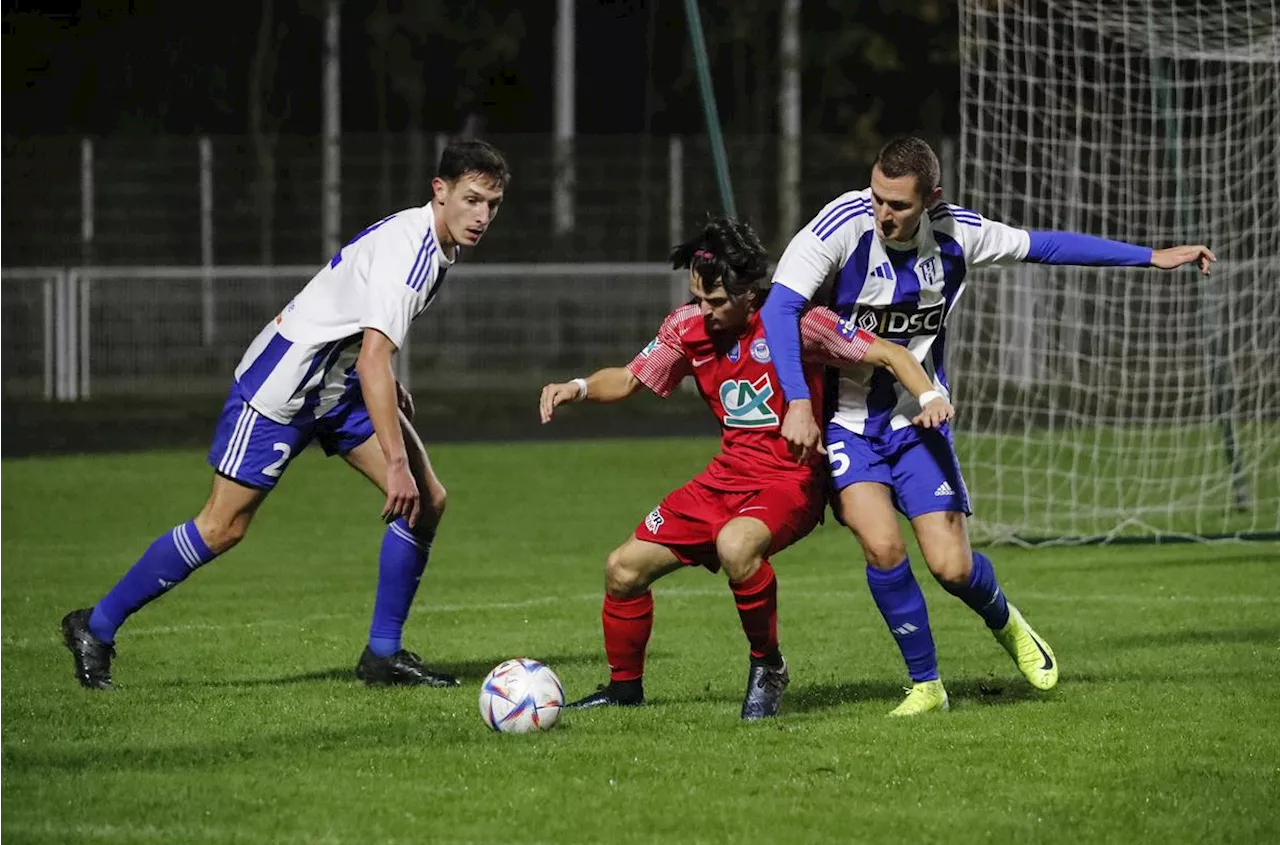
[
  {"x": 466, "y": 671},
  {"x": 985, "y": 691},
  {"x": 201, "y": 756},
  {"x": 1263, "y": 635}
]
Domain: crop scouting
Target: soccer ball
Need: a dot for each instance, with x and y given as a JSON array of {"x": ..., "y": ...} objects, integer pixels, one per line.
[{"x": 521, "y": 696}]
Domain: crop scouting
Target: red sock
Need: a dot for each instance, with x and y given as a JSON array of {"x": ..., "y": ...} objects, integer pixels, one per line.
[
  {"x": 627, "y": 624},
  {"x": 757, "y": 600}
]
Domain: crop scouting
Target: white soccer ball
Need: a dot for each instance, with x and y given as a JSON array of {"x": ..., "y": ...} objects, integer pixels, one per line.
[{"x": 521, "y": 696}]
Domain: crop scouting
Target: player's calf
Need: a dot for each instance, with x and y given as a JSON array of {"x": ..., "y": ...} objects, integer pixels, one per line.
[{"x": 221, "y": 535}]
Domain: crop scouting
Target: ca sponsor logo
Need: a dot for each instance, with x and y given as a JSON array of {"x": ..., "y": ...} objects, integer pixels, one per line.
[{"x": 746, "y": 403}]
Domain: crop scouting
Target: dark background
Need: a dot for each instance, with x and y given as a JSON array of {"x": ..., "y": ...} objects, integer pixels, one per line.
[
  {"x": 102, "y": 67},
  {"x": 145, "y": 81}
]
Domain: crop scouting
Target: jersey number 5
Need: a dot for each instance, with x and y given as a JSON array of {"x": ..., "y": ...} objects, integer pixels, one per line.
[{"x": 837, "y": 458}]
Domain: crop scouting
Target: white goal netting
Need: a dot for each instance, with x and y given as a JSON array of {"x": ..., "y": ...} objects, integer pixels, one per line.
[{"x": 1105, "y": 403}]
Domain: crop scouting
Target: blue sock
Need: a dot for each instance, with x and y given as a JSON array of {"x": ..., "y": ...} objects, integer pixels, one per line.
[
  {"x": 400, "y": 567},
  {"x": 983, "y": 593},
  {"x": 166, "y": 562},
  {"x": 901, "y": 603}
]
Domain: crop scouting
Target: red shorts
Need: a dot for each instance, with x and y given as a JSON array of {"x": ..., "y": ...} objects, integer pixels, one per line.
[{"x": 690, "y": 518}]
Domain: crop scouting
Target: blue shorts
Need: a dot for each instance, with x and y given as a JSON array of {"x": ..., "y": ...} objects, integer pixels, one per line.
[
  {"x": 918, "y": 464},
  {"x": 255, "y": 451}
]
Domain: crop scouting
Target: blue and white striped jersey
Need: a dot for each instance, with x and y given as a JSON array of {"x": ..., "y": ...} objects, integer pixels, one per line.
[
  {"x": 901, "y": 292},
  {"x": 303, "y": 361}
]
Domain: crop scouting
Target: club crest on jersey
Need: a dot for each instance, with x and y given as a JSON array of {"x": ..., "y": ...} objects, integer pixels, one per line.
[
  {"x": 927, "y": 270},
  {"x": 648, "y": 350},
  {"x": 760, "y": 350},
  {"x": 734, "y": 353},
  {"x": 746, "y": 403}
]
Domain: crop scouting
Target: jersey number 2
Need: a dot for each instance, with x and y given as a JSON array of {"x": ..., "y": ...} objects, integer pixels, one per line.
[{"x": 275, "y": 469}]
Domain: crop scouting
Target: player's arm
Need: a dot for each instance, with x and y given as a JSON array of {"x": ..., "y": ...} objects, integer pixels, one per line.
[
  {"x": 804, "y": 266},
  {"x": 934, "y": 407},
  {"x": 828, "y": 340},
  {"x": 612, "y": 384},
  {"x": 1048, "y": 247},
  {"x": 391, "y": 301},
  {"x": 381, "y": 398},
  {"x": 989, "y": 242},
  {"x": 660, "y": 366}
]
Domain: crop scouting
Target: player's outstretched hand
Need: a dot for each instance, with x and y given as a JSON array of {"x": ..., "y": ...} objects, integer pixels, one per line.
[
  {"x": 934, "y": 414},
  {"x": 402, "y": 495},
  {"x": 404, "y": 401},
  {"x": 555, "y": 395},
  {"x": 1176, "y": 256},
  {"x": 800, "y": 430}
]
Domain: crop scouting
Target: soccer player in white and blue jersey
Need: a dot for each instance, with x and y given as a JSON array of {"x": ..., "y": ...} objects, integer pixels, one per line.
[
  {"x": 900, "y": 258},
  {"x": 321, "y": 370}
]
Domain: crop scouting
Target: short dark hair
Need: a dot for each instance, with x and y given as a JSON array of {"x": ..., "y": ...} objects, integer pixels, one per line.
[
  {"x": 910, "y": 156},
  {"x": 481, "y": 157},
  {"x": 727, "y": 253}
]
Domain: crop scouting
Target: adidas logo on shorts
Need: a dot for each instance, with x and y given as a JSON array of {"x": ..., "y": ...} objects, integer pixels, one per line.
[{"x": 944, "y": 489}]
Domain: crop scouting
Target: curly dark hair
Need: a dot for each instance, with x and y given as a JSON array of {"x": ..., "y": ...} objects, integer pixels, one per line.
[{"x": 727, "y": 253}]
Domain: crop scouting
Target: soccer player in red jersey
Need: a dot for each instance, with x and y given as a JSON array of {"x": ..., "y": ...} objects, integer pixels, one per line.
[{"x": 753, "y": 500}]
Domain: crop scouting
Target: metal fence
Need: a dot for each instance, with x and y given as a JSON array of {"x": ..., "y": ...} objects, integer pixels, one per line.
[
  {"x": 139, "y": 332},
  {"x": 167, "y": 200},
  {"x": 1028, "y": 344}
]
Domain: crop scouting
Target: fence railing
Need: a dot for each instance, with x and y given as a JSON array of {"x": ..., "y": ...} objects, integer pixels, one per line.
[
  {"x": 213, "y": 200},
  {"x": 100, "y": 332}
]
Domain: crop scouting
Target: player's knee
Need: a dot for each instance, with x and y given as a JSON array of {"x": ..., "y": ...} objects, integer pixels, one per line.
[
  {"x": 221, "y": 535},
  {"x": 952, "y": 570},
  {"x": 622, "y": 579},
  {"x": 435, "y": 501},
  {"x": 883, "y": 553},
  {"x": 739, "y": 555}
]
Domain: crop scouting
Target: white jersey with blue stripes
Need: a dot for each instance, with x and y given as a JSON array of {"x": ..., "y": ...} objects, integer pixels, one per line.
[
  {"x": 901, "y": 292},
  {"x": 302, "y": 363}
]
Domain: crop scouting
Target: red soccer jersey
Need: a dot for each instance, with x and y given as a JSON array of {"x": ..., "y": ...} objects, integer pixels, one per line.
[{"x": 735, "y": 376}]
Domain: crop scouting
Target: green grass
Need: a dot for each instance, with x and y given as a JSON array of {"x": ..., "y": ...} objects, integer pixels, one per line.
[{"x": 239, "y": 720}]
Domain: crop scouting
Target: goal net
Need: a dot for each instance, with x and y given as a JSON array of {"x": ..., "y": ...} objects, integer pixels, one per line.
[{"x": 1116, "y": 403}]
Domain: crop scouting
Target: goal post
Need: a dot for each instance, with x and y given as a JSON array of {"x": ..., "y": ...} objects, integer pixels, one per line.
[{"x": 1106, "y": 403}]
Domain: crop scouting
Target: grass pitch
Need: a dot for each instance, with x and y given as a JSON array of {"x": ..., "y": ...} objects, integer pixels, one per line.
[{"x": 239, "y": 720}]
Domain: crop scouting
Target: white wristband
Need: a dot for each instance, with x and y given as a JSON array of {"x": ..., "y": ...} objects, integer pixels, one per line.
[
  {"x": 928, "y": 396},
  {"x": 582, "y": 389}
]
